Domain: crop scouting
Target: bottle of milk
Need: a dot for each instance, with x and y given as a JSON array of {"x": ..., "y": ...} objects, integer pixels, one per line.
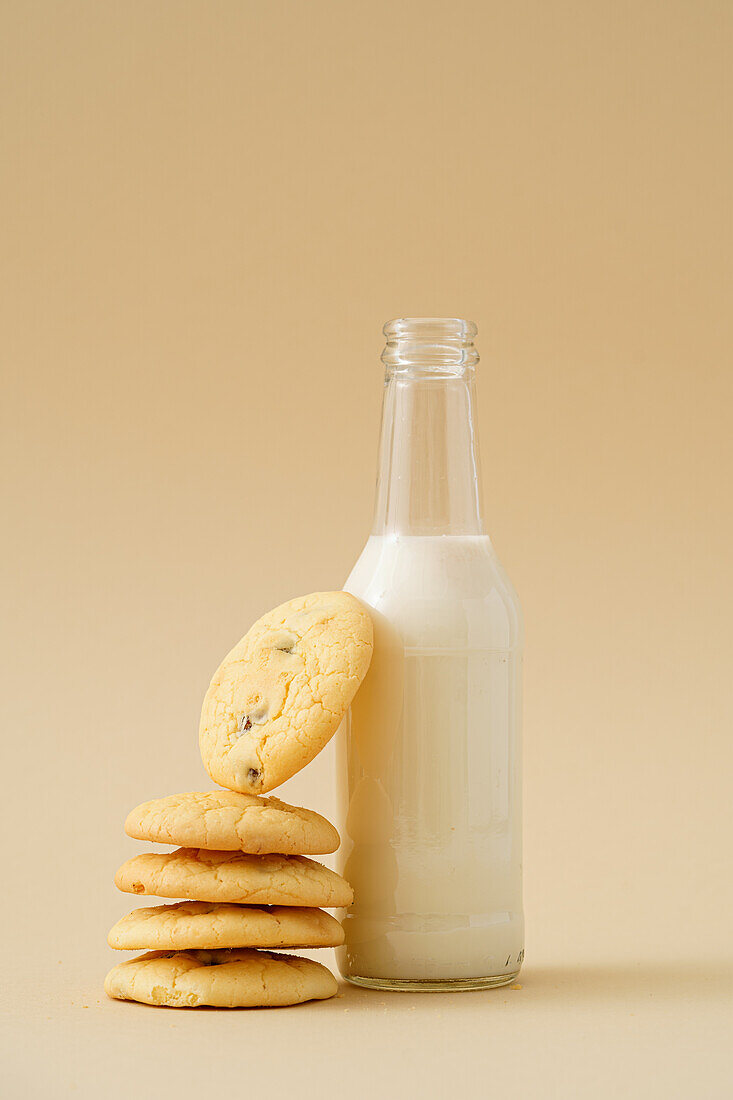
[{"x": 430, "y": 764}]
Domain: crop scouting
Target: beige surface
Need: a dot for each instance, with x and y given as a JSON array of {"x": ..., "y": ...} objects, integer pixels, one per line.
[
  {"x": 208, "y": 211},
  {"x": 596, "y": 1029}
]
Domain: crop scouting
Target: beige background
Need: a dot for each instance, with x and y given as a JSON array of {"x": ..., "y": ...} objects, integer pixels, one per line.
[{"x": 208, "y": 210}]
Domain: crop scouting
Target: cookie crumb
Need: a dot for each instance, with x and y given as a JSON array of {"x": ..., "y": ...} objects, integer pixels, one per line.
[{"x": 517, "y": 985}]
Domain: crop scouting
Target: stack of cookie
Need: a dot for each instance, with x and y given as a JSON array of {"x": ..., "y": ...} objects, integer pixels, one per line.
[
  {"x": 242, "y": 867},
  {"x": 248, "y": 885}
]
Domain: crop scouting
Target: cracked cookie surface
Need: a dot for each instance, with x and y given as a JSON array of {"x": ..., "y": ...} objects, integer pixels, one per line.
[
  {"x": 208, "y": 925},
  {"x": 225, "y": 979},
  {"x": 280, "y": 694},
  {"x": 200, "y": 875},
  {"x": 231, "y": 821}
]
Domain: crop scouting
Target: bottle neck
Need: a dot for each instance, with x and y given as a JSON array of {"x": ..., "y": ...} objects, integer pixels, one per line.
[{"x": 428, "y": 479}]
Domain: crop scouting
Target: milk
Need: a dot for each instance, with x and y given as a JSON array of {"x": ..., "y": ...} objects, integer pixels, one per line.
[{"x": 430, "y": 771}]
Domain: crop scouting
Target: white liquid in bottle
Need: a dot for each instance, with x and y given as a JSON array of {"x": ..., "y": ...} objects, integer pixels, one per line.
[{"x": 430, "y": 768}]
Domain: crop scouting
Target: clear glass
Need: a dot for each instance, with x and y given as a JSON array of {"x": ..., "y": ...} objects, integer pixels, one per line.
[{"x": 429, "y": 754}]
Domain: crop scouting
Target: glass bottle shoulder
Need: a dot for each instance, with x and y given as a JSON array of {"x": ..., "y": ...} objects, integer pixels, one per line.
[{"x": 440, "y": 591}]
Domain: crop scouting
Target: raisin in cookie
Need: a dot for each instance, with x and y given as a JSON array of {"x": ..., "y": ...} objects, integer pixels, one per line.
[
  {"x": 207, "y": 925},
  {"x": 230, "y": 821},
  {"x": 200, "y": 875},
  {"x": 224, "y": 979},
  {"x": 280, "y": 694}
]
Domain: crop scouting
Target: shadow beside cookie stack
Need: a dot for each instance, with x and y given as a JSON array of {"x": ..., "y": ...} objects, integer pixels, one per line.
[{"x": 242, "y": 867}]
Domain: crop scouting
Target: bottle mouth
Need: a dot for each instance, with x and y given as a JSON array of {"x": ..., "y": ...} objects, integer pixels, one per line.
[{"x": 436, "y": 345}]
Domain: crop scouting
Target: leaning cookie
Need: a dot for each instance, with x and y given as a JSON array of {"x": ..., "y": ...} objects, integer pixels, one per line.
[
  {"x": 207, "y": 925},
  {"x": 280, "y": 694},
  {"x": 230, "y": 821},
  {"x": 223, "y": 979},
  {"x": 200, "y": 875}
]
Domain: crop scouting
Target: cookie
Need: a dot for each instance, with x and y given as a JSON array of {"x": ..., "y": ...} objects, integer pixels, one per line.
[
  {"x": 279, "y": 696},
  {"x": 202, "y": 924},
  {"x": 229, "y": 821},
  {"x": 200, "y": 875},
  {"x": 224, "y": 979}
]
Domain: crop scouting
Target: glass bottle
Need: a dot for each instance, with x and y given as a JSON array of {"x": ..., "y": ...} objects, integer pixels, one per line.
[{"x": 429, "y": 754}]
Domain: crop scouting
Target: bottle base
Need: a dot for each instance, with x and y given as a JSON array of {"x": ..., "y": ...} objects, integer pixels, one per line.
[{"x": 429, "y": 985}]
